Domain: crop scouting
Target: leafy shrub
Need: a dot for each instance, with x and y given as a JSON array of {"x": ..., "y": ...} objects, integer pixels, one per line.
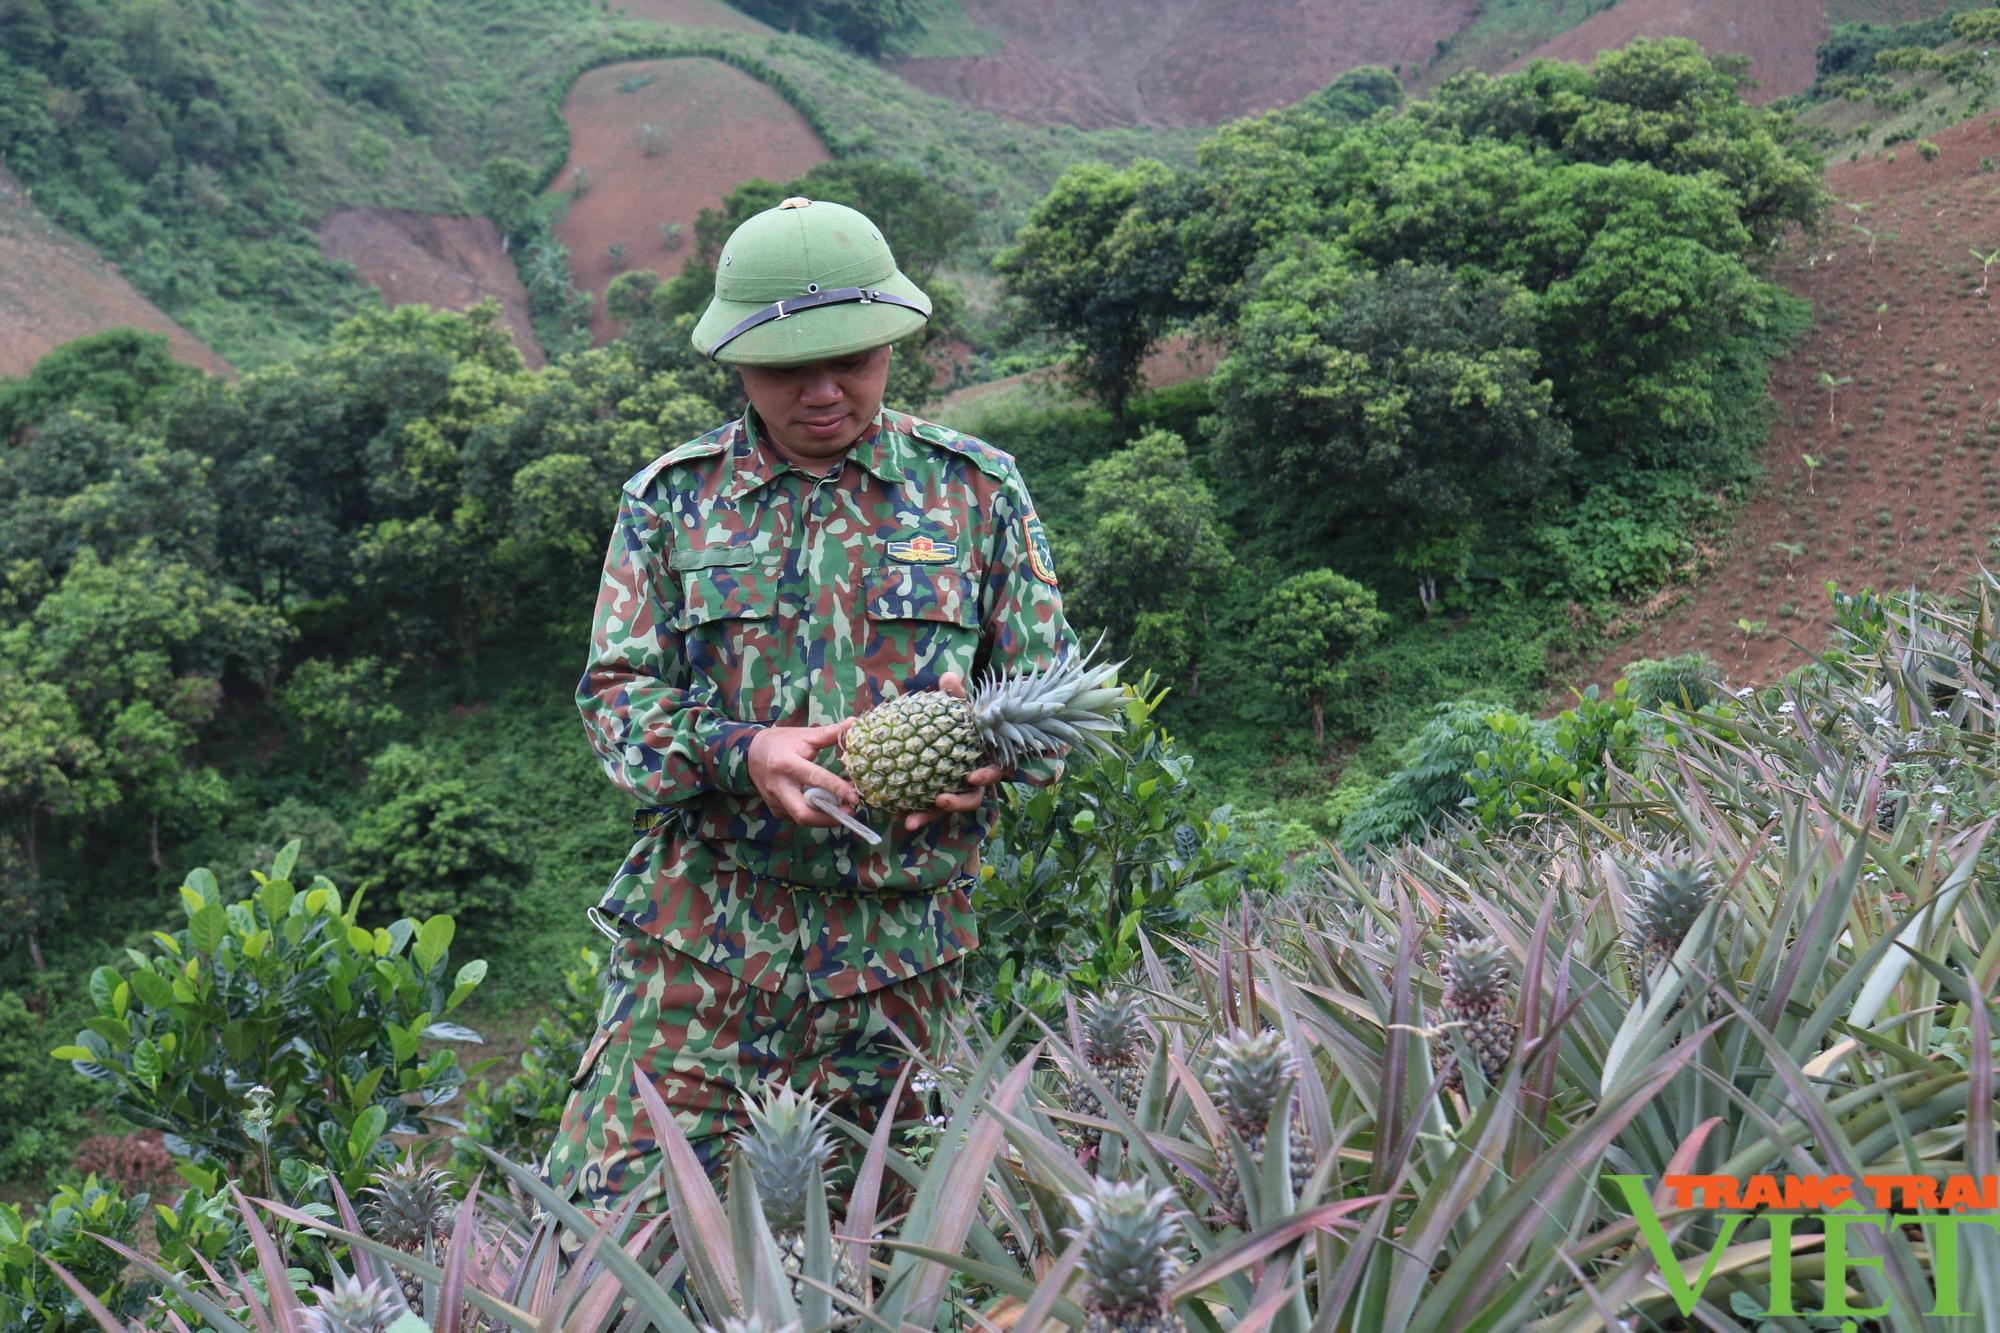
[
  {"x": 41, "y": 1123},
  {"x": 1529, "y": 767},
  {"x": 31, "y": 1297},
  {"x": 136, "y": 1161},
  {"x": 428, "y": 845},
  {"x": 1623, "y": 538},
  {"x": 1690, "y": 681},
  {"x": 282, "y": 991},
  {"x": 1428, "y": 783}
]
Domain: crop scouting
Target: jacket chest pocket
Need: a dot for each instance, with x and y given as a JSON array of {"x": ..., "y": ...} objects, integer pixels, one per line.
[
  {"x": 922, "y": 621},
  {"x": 732, "y": 632}
]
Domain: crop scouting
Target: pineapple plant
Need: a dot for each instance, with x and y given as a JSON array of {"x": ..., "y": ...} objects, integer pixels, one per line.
[
  {"x": 353, "y": 1306},
  {"x": 1669, "y": 897},
  {"x": 902, "y": 755},
  {"x": 785, "y": 1143},
  {"x": 1115, "y": 1048},
  {"x": 1475, "y": 1002},
  {"x": 1128, "y": 1240},
  {"x": 1250, "y": 1076},
  {"x": 409, "y": 1207}
]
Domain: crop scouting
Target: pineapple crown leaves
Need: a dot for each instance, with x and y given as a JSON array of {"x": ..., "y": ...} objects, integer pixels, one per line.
[
  {"x": 1475, "y": 973},
  {"x": 1250, "y": 1076},
  {"x": 354, "y": 1306},
  {"x": 1113, "y": 1027},
  {"x": 1069, "y": 702},
  {"x": 1129, "y": 1238},
  {"x": 1670, "y": 895},
  {"x": 785, "y": 1142},
  {"x": 408, "y": 1205}
]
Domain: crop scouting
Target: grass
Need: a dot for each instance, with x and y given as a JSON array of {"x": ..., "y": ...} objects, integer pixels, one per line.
[
  {"x": 1505, "y": 31},
  {"x": 943, "y": 31}
]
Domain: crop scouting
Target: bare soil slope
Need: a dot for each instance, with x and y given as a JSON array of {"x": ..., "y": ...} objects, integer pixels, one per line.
[
  {"x": 1779, "y": 36},
  {"x": 447, "y": 263},
  {"x": 1907, "y": 487},
  {"x": 657, "y": 141},
  {"x": 54, "y": 288},
  {"x": 1177, "y": 62}
]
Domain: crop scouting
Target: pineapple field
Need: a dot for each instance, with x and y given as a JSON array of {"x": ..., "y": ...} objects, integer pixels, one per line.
[{"x": 1459, "y": 1083}]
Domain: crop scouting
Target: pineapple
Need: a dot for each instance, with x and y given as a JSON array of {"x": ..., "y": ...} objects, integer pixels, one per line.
[
  {"x": 1664, "y": 908},
  {"x": 785, "y": 1142},
  {"x": 1475, "y": 1000},
  {"x": 1669, "y": 898},
  {"x": 1248, "y": 1077},
  {"x": 1114, "y": 1045},
  {"x": 410, "y": 1208},
  {"x": 1128, "y": 1257},
  {"x": 904, "y": 754},
  {"x": 353, "y": 1306}
]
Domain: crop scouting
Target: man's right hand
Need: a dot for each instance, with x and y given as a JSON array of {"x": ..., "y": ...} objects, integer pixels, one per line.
[{"x": 782, "y": 767}]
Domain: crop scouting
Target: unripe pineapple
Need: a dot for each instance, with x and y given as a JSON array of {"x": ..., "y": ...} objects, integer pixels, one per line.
[
  {"x": 1115, "y": 1046},
  {"x": 1475, "y": 1002},
  {"x": 410, "y": 1208},
  {"x": 1249, "y": 1077},
  {"x": 1128, "y": 1260},
  {"x": 902, "y": 755},
  {"x": 353, "y": 1306},
  {"x": 786, "y": 1141},
  {"x": 1665, "y": 905}
]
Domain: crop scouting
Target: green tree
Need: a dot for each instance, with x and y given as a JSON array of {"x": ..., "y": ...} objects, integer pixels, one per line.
[
  {"x": 1645, "y": 299},
  {"x": 50, "y": 767},
  {"x": 1346, "y": 387},
  {"x": 1312, "y": 624},
  {"x": 1099, "y": 263},
  {"x": 121, "y": 374},
  {"x": 508, "y": 196},
  {"x": 427, "y": 845},
  {"x": 1152, "y": 556}
]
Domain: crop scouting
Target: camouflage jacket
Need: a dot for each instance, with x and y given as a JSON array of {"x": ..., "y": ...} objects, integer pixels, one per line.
[{"x": 740, "y": 591}]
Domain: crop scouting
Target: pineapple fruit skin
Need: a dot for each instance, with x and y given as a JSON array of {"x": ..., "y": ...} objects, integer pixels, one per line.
[
  {"x": 902, "y": 754},
  {"x": 1247, "y": 1080}
]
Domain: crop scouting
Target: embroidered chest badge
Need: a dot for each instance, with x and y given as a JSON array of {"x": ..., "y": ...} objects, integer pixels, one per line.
[{"x": 923, "y": 551}]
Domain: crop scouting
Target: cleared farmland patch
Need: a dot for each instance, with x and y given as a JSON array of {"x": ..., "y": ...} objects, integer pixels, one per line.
[
  {"x": 447, "y": 263},
  {"x": 1176, "y": 62},
  {"x": 1883, "y": 467},
  {"x": 54, "y": 288},
  {"x": 652, "y": 143},
  {"x": 1779, "y": 36}
]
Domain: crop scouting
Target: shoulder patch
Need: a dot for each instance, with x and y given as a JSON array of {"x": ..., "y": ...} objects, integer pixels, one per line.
[
  {"x": 706, "y": 446},
  {"x": 1041, "y": 562},
  {"x": 995, "y": 463}
]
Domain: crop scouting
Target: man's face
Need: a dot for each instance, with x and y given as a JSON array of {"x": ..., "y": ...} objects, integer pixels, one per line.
[{"x": 815, "y": 411}]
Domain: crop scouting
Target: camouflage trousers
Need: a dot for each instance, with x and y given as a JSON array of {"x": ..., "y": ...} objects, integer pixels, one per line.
[{"x": 706, "y": 1039}]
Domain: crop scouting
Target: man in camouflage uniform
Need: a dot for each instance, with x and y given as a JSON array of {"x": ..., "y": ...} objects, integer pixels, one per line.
[{"x": 765, "y": 584}]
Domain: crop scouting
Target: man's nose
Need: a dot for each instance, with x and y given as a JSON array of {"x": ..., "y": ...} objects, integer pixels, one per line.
[{"x": 821, "y": 389}]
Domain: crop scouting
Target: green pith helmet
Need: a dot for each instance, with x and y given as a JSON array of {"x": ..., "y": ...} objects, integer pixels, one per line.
[{"x": 805, "y": 281}]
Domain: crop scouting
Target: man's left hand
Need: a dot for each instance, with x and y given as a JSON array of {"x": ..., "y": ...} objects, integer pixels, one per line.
[{"x": 977, "y": 782}]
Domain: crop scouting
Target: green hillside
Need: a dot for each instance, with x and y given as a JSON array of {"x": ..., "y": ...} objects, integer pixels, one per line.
[{"x": 196, "y": 152}]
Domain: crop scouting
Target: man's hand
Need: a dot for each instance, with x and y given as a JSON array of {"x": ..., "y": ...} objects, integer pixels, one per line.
[
  {"x": 782, "y": 767},
  {"x": 976, "y": 782}
]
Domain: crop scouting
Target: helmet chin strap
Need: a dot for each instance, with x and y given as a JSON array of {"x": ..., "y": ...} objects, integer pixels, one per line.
[{"x": 811, "y": 300}]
